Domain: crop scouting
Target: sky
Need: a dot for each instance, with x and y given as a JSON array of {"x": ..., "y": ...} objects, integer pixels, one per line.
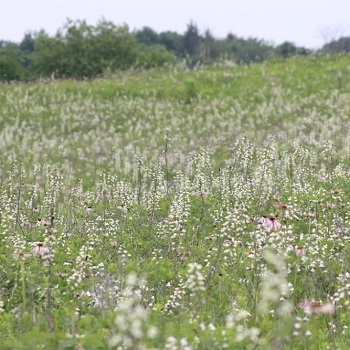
[{"x": 309, "y": 23}]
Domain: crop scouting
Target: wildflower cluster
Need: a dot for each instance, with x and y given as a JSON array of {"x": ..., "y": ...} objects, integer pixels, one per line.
[{"x": 235, "y": 206}]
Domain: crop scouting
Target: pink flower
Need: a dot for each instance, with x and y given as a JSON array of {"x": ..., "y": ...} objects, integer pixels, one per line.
[
  {"x": 270, "y": 223},
  {"x": 283, "y": 206},
  {"x": 200, "y": 193},
  {"x": 38, "y": 250},
  {"x": 227, "y": 242},
  {"x": 300, "y": 251},
  {"x": 25, "y": 223},
  {"x": 316, "y": 307}
]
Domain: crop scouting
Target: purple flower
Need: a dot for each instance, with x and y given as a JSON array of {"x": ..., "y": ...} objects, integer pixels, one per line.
[
  {"x": 39, "y": 250},
  {"x": 300, "y": 251},
  {"x": 270, "y": 223},
  {"x": 316, "y": 307}
]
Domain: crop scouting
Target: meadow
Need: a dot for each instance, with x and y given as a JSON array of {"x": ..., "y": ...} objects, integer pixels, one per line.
[{"x": 178, "y": 209}]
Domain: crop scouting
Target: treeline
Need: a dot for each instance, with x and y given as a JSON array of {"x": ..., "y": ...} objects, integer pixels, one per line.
[{"x": 79, "y": 50}]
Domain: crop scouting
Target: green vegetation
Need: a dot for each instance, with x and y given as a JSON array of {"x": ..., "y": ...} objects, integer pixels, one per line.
[
  {"x": 82, "y": 51},
  {"x": 178, "y": 208},
  {"x": 79, "y": 50}
]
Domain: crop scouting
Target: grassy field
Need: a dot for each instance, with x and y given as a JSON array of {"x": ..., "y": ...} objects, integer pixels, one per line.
[{"x": 176, "y": 209}]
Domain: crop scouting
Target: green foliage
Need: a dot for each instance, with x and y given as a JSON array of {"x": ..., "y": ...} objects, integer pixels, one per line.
[
  {"x": 11, "y": 62},
  {"x": 147, "y": 36},
  {"x": 115, "y": 47},
  {"x": 27, "y": 47},
  {"x": 191, "y": 40},
  {"x": 10, "y": 68},
  {"x": 246, "y": 51},
  {"x": 80, "y": 50},
  {"x": 337, "y": 46},
  {"x": 153, "y": 56},
  {"x": 209, "y": 48},
  {"x": 172, "y": 41},
  {"x": 286, "y": 49}
]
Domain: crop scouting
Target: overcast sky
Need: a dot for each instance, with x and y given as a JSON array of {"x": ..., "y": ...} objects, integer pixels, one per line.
[{"x": 305, "y": 22}]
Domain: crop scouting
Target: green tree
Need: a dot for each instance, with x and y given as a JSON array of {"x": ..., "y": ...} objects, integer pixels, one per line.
[
  {"x": 209, "y": 48},
  {"x": 27, "y": 46},
  {"x": 172, "y": 41},
  {"x": 147, "y": 36},
  {"x": 114, "y": 46},
  {"x": 80, "y": 50},
  {"x": 340, "y": 45},
  {"x": 49, "y": 55},
  {"x": 11, "y": 59},
  {"x": 191, "y": 40},
  {"x": 150, "y": 56},
  {"x": 286, "y": 49},
  {"x": 27, "y": 43},
  {"x": 246, "y": 51},
  {"x": 77, "y": 43}
]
